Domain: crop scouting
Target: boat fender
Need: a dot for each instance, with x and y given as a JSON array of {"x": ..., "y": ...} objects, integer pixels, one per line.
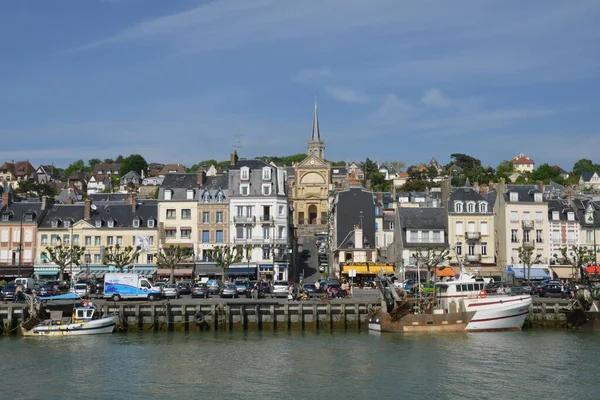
[
  {"x": 85, "y": 303},
  {"x": 199, "y": 317},
  {"x": 483, "y": 294}
]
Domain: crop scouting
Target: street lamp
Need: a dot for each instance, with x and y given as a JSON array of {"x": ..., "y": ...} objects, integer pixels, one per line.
[{"x": 20, "y": 249}]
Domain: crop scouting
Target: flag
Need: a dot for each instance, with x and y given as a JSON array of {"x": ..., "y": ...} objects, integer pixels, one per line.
[{"x": 142, "y": 241}]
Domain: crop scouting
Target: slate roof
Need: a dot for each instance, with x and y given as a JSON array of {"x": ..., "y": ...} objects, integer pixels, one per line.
[
  {"x": 581, "y": 206},
  {"x": 491, "y": 198},
  {"x": 586, "y": 176},
  {"x": 467, "y": 194},
  {"x": 17, "y": 210},
  {"x": 180, "y": 181},
  {"x": 563, "y": 207},
  {"x": 108, "y": 197},
  {"x": 525, "y": 192},
  {"x": 252, "y": 164},
  {"x": 423, "y": 218},
  {"x": 121, "y": 214},
  {"x": 341, "y": 171},
  {"x": 350, "y": 204}
]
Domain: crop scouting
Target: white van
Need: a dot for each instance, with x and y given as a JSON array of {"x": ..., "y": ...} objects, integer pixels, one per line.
[{"x": 27, "y": 283}]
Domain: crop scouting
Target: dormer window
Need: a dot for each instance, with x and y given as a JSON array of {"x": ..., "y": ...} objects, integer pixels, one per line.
[
  {"x": 571, "y": 216},
  {"x": 206, "y": 196},
  {"x": 55, "y": 223},
  {"x": 470, "y": 207},
  {"x": 266, "y": 173},
  {"x": 514, "y": 196},
  {"x": 220, "y": 196},
  {"x": 189, "y": 194},
  {"x": 98, "y": 223},
  {"x": 458, "y": 206},
  {"x": 555, "y": 215},
  {"x": 67, "y": 224},
  {"x": 483, "y": 206},
  {"x": 5, "y": 217},
  {"x": 537, "y": 197},
  {"x": 150, "y": 223},
  {"x": 111, "y": 223},
  {"x": 168, "y": 194},
  {"x": 136, "y": 222},
  {"x": 245, "y": 173},
  {"x": 29, "y": 217}
]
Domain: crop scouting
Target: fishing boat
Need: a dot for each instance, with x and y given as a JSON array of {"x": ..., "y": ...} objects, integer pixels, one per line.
[
  {"x": 84, "y": 320},
  {"x": 462, "y": 305}
]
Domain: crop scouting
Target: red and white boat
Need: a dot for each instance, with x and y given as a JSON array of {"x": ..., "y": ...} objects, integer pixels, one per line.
[{"x": 462, "y": 305}]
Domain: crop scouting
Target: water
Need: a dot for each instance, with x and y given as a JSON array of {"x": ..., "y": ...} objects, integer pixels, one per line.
[{"x": 511, "y": 365}]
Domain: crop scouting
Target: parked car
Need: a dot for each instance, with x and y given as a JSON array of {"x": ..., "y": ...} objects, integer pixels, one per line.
[
  {"x": 184, "y": 288},
  {"x": 520, "y": 289},
  {"x": 45, "y": 290},
  {"x": 199, "y": 290},
  {"x": 90, "y": 284},
  {"x": 82, "y": 289},
  {"x": 266, "y": 287},
  {"x": 214, "y": 286},
  {"x": 171, "y": 291},
  {"x": 280, "y": 289},
  {"x": 550, "y": 290},
  {"x": 8, "y": 291},
  {"x": 240, "y": 286},
  {"x": 310, "y": 289},
  {"x": 228, "y": 290}
]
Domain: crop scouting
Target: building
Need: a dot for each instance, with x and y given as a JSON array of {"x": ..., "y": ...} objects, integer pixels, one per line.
[
  {"x": 45, "y": 174},
  {"x": 339, "y": 178},
  {"x": 522, "y": 163},
  {"x": 590, "y": 180},
  {"x": 172, "y": 169},
  {"x": 563, "y": 226},
  {"x": 311, "y": 189},
  {"x": 471, "y": 231},
  {"x": 588, "y": 214},
  {"x": 150, "y": 186},
  {"x": 18, "y": 235},
  {"x": 259, "y": 217},
  {"x": 130, "y": 181},
  {"x": 14, "y": 172},
  {"x": 521, "y": 220},
  {"x": 97, "y": 225}
]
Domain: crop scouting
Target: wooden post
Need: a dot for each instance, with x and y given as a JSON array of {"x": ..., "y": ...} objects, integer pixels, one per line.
[
  {"x": 357, "y": 315},
  {"x": 244, "y": 317},
  {"x": 259, "y": 320},
  {"x": 124, "y": 321},
  {"x": 214, "y": 315},
  {"x": 273, "y": 315},
  {"x": 315, "y": 313},
  {"x": 140, "y": 319},
  {"x": 228, "y": 318},
  {"x": 343, "y": 315},
  {"x": 287, "y": 316},
  {"x": 301, "y": 316},
  {"x": 330, "y": 314}
]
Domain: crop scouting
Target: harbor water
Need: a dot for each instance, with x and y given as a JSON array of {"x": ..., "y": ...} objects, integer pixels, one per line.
[{"x": 510, "y": 365}]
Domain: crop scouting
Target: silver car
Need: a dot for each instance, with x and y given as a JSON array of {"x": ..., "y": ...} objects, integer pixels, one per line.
[
  {"x": 171, "y": 290},
  {"x": 228, "y": 290},
  {"x": 280, "y": 289}
]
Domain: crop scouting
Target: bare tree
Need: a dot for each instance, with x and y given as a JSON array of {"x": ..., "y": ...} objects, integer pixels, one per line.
[
  {"x": 173, "y": 256},
  {"x": 63, "y": 256},
  {"x": 526, "y": 256},
  {"x": 119, "y": 256},
  {"x": 226, "y": 255},
  {"x": 577, "y": 257},
  {"x": 432, "y": 257}
]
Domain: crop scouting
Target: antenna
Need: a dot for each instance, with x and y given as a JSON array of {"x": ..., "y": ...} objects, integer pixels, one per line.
[{"x": 237, "y": 144}]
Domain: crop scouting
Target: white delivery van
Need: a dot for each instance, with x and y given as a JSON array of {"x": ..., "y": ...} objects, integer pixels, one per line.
[
  {"x": 27, "y": 283},
  {"x": 129, "y": 285}
]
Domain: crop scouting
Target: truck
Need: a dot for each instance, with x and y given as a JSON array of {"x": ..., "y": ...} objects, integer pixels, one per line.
[{"x": 129, "y": 285}]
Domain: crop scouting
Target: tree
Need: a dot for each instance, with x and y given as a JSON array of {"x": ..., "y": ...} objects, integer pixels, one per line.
[
  {"x": 338, "y": 163},
  {"x": 119, "y": 256},
  {"x": 397, "y": 165},
  {"x": 583, "y": 165},
  {"x": 527, "y": 258},
  {"x": 64, "y": 255},
  {"x": 134, "y": 162},
  {"x": 379, "y": 183},
  {"x": 521, "y": 180},
  {"x": 93, "y": 161},
  {"x": 505, "y": 169},
  {"x": 226, "y": 255},
  {"x": 546, "y": 173},
  {"x": 576, "y": 256},
  {"x": 369, "y": 168},
  {"x": 432, "y": 257},
  {"x": 172, "y": 256},
  {"x": 39, "y": 190},
  {"x": 77, "y": 166},
  {"x": 417, "y": 186},
  {"x": 467, "y": 163}
]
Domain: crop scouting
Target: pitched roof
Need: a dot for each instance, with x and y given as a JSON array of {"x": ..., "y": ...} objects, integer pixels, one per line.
[
  {"x": 423, "y": 218},
  {"x": 522, "y": 159},
  {"x": 586, "y": 176},
  {"x": 252, "y": 164},
  {"x": 180, "y": 181},
  {"x": 17, "y": 210},
  {"x": 121, "y": 214},
  {"x": 172, "y": 169},
  {"x": 105, "y": 167},
  {"x": 19, "y": 168},
  {"x": 525, "y": 192},
  {"x": 563, "y": 207}
]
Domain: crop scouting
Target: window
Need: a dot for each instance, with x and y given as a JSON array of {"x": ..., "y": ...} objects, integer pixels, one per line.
[
  {"x": 54, "y": 223},
  {"x": 220, "y": 196},
  {"x": 281, "y": 210},
  {"x": 571, "y": 216},
  {"x": 484, "y": 227},
  {"x": 206, "y": 217},
  {"x": 555, "y": 236},
  {"x": 219, "y": 236},
  {"x": 150, "y": 223},
  {"x": 16, "y": 235},
  {"x": 266, "y": 173},
  {"x": 459, "y": 248},
  {"x": 170, "y": 233},
  {"x": 98, "y": 223},
  {"x": 186, "y": 233},
  {"x": 168, "y": 194},
  {"x": 471, "y": 226},
  {"x": 87, "y": 258},
  {"x": 240, "y": 211},
  {"x": 171, "y": 214},
  {"x": 266, "y": 189},
  {"x": 526, "y": 237},
  {"x": 437, "y": 237},
  {"x": 88, "y": 241},
  {"x": 537, "y": 197},
  {"x": 120, "y": 240},
  {"x": 136, "y": 222},
  {"x": 219, "y": 217},
  {"x": 514, "y": 238},
  {"x": 458, "y": 207},
  {"x": 189, "y": 194},
  {"x": 97, "y": 241},
  {"x": 282, "y": 232},
  {"x": 248, "y": 232},
  {"x": 589, "y": 238},
  {"x": 539, "y": 216},
  {"x": 96, "y": 258},
  {"x": 244, "y": 189},
  {"x": 186, "y": 213},
  {"x": 239, "y": 232},
  {"x": 391, "y": 225},
  {"x": 514, "y": 216},
  {"x": 150, "y": 258},
  {"x": 54, "y": 240},
  {"x": 266, "y": 232},
  {"x": 44, "y": 239},
  {"x": 111, "y": 223},
  {"x": 376, "y": 226},
  {"x": 571, "y": 236},
  {"x": 67, "y": 224},
  {"x": 555, "y": 215},
  {"x": 5, "y": 218},
  {"x": 538, "y": 236},
  {"x": 483, "y": 207},
  {"x": 110, "y": 240},
  {"x": 206, "y": 196},
  {"x": 76, "y": 239},
  {"x": 414, "y": 236},
  {"x": 526, "y": 216},
  {"x": 151, "y": 240},
  {"x": 514, "y": 196},
  {"x": 471, "y": 249},
  {"x": 244, "y": 173},
  {"x": 266, "y": 253},
  {"x": 249, "y": 212},
  {"x": 483, "y": 248}
]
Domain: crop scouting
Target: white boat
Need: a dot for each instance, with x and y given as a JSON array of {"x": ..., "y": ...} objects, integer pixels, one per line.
[
  {"x": 462, "y": 305},
  {"x": 83, "y": 322}
]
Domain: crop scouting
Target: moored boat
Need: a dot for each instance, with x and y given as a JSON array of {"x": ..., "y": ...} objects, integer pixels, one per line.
[{"x": 83, "y": 322}]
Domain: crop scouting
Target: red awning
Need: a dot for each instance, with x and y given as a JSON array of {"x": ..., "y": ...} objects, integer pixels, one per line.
[
  {"x": 177, "y": 272},
  {"x": 445, "y": 272},
  {"x": 593, "y": 269}
]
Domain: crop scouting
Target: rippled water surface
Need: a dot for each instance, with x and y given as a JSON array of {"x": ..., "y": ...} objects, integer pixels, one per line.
[{"x": 512, "y": 365}]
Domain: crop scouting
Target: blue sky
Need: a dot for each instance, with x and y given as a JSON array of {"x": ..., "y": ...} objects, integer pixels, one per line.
[{"x": 177, "y": 80}]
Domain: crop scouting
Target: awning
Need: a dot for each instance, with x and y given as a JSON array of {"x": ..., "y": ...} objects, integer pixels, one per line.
[
  {"x": 46, "y": 272},
  {"x": 360, "y": 269},
  {"x": 145, "y": 271},
  {"x": 13, "y": 272},
  {"x": 241, "y": 271},
  {"x": 177, "y": 272},
  {"x": 535, "y": 273},
  {"x": 369, "y": 269},
  {"x": 565, "y": 272},
  {"x": 445, "y": 272},
  {"x": 593, "y": 269},
  {"x": 208, "y": 269}
]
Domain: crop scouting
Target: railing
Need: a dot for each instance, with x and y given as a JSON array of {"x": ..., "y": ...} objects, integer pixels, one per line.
[
  {"x": 421, "y": 240},
  {"x": 473, "y": 257},
  {"x": 243, "y": 219},
  {"x": 255, "y": 240},
  {"x": 527, "y": 224},
  {"x": 266, "y": 219},
  {"x": 472, "y": 235}
]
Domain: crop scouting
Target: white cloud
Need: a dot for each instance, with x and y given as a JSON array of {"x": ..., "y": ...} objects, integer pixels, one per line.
[
  {"x": 435, "y": 98},
  {"x": 346, "y": 95}
]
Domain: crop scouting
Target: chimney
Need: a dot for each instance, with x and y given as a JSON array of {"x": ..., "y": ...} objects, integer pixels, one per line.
[
  {"x": 234, "y": 158},
  {"x": 87, "y": 208},
  {"x": 446, "y": 187},
  {"x": 201, "y": 177},
  {"x": 7, "y": 198},
  {"x": 358, "y": 237},
  {"x": 44, "y": 202},
  {"x": 380, "y": 197},
  {"x": 131, "y": 200}
]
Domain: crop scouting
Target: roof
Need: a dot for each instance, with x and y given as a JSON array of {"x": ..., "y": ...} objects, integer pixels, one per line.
[
  {"x": 316, "y": 133},
  {"x": 525, "y": 192},
  {"x": 423, "y": 218},
  {"x": 563, "y": 207},
  {"x": 467, "y": 194},
  {"x": 587, "y": 176},
  {"x": 17, "y": 210},
  {"x": 104, "y": 167},
  {"x": 172, "y": 169},
  {"x": 19, "y": 168},
  {"x": 131, "y": 175},
  {"x": 522, "y": 159},
  {"x": 121, "y": 214},
  {"x": 180, "y": 181},
  {"x": 581, "y": 206},
  {"x": 252, "y": 164},
  {"x": 342, "y": 171},
  {"x": 105, "y": 197},
  {"x": 350, "y": 206}
]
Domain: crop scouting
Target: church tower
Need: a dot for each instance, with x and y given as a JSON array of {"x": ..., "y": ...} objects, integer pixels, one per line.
[{"x": 316, "y": 146}]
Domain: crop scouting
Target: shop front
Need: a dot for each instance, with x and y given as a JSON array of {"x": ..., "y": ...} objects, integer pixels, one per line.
[{"x": 365, "y": 272}]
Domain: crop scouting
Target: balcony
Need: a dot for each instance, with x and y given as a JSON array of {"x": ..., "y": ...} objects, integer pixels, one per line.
[
  {"x": 260, "y": 241},
  {"x": 473, "y": 257},
  {"x": 472, "y": 235},
  {"x": 243, "y": 219},
  {"x": 527, "y": 224},
  {"x": 266, "y": 219}
]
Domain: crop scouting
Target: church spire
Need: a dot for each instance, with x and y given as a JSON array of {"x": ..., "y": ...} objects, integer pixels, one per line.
[{"x": 316, "y": 134}]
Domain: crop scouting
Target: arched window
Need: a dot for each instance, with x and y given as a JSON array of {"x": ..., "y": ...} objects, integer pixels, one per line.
[
  {"x": 483, "y": 207},
  {"x": 458, "y": 206},
  {"x": 471, "y": 207}
]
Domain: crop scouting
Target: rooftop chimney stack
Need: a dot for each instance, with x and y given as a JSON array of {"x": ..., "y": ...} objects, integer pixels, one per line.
[
  {"x": 234, "y": 158},
  {"x": 201, "y": 177},
  {"x": 7, "y": 198},
  {"x": 87, "y": 209}
]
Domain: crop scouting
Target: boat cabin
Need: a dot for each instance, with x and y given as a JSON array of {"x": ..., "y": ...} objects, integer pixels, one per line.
[
  {"x": 82, "y": 314},
  {"x": 451, "y": 292}
]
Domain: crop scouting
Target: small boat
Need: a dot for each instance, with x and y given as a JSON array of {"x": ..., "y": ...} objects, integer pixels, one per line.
[{"x": 84, "y": 321}]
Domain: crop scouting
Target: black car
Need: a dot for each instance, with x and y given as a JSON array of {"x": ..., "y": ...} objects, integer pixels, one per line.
[
  {"x": 199, "y": 290},
  {"x": 550, "y": 290},
  {"x": 8, "y": 291},
  {"x": 241, "y": 286},
  {"x": 46, "y": 290},
  {"x": 184, "y": 288},
  {"x": 520, "y": 289},
  {"x": 310, "y": 289}
]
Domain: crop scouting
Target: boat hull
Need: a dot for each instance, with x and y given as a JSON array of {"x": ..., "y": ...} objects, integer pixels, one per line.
[
  {"x": 499, "y": 314},
  {"x": 94, "y": 327},
  {"x": 425, "y": 323}
]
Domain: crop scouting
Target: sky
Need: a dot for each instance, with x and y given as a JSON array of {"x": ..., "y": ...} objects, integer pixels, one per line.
[{"x": 395, "y": 80}]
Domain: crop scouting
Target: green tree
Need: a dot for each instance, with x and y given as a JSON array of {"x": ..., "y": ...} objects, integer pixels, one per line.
[
  {"x": 338, "y": 163},
  {"x": 369, "y": 168},
  {"x": 526, "y": 255},
  {"x": 521, "y": 180},
  {"x": 546, "y": 173},
  {"x": 119, "y": 256},
  {"x": 93, "y": 161},
  {"x": 171, "y": 257},
  {"x": 576, "y": 256},
  {"x": 31, "y": 188},
  {"x": 379, "y": 183},
  {"x": 77, "y": 166},
  {"x": 134, "y": 162},
  {"x": 226, "y": 255},
  {"x": 583, "y": 165},
  {"x": 417, "y": 186},
  {"x": 467, "y": 163},
  {"x": 397, "y": 165},
  {"x": 63, "y": 256},
  {"x": 504, "y": 170},
  {"x": 432, "y": 257}
]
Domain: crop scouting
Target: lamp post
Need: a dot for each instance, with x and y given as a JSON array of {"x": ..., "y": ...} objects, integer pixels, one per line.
[{"x": 20, "y": 249}]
